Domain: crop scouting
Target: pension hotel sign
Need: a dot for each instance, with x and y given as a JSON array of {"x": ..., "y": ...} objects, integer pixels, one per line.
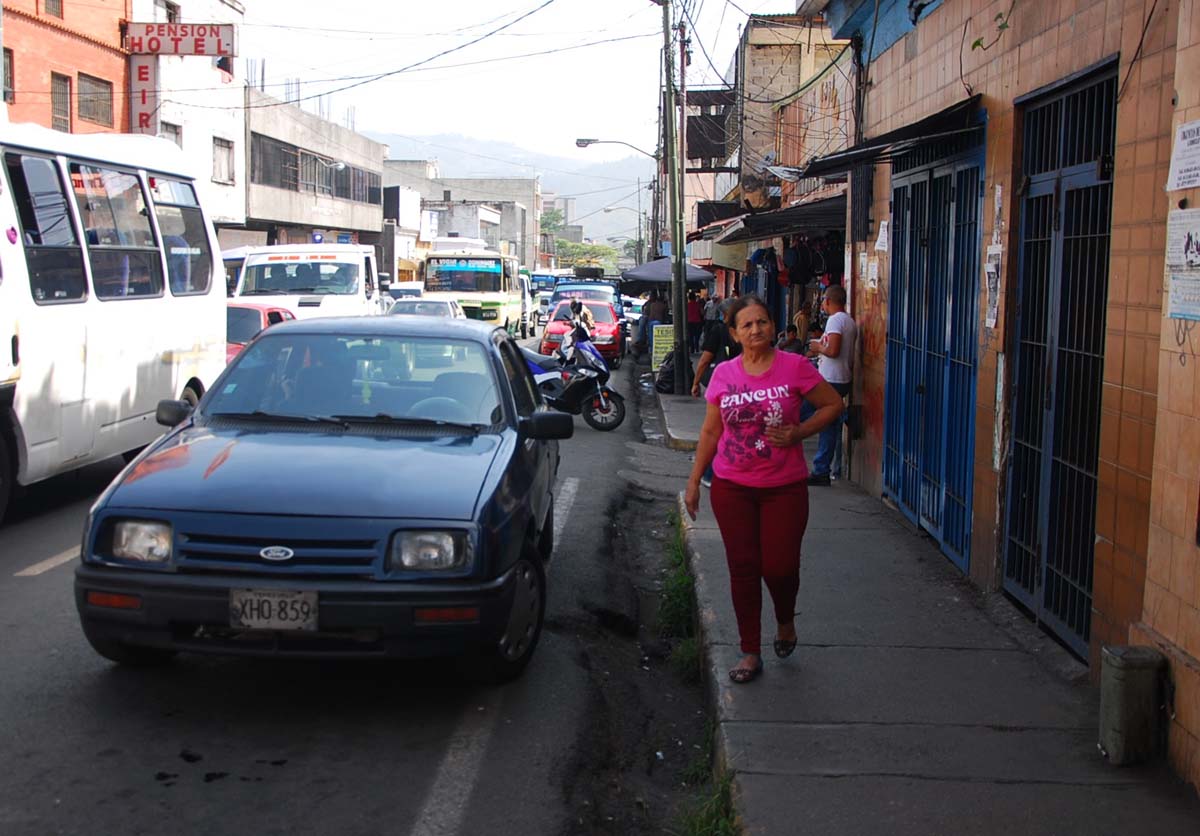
[{"x": 147, "y": 41}]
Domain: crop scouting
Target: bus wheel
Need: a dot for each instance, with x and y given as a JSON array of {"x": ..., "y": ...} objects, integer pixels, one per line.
[{"x": 7, "y": 476}]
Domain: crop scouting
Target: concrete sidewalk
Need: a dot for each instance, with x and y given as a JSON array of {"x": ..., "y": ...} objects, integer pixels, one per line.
[{"x": 908, "y": 706}]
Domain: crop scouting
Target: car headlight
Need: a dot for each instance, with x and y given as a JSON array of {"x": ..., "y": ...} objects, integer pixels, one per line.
[
  {"x": 491, "y": 314},
  {"x": 429, "y": 550},
  {"x": 146, "y": 542}
]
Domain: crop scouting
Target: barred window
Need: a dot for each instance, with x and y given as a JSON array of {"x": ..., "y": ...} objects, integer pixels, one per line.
[
  {"x": 222, "y": 161},
  {"x": 95, "y": 100},
  {"x": 8, "y": 76},
  {"x": 53, "y": 7},
  {"x": 274, "y": 163},
  {"x": 316, "y": 174},
  {"x": 861, "y": 181},
  {"x": 60, "y": 102},
  {"x": 169, "y": 11}
]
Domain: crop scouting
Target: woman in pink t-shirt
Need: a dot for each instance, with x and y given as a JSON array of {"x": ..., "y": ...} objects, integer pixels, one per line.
[{"x": 752, "y": 435}]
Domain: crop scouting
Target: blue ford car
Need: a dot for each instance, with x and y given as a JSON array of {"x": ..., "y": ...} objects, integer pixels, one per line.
[{"x": 371, "y": 487}]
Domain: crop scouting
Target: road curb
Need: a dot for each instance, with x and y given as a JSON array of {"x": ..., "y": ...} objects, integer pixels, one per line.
[
  {"x": 706, "y": 617},
  {"x": 675, "y": 442}
]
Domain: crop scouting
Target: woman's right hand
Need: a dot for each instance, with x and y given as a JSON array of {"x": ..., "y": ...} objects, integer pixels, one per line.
[
  {"x": 691, "y": 498},
  {"x": 696, "y": 388}
]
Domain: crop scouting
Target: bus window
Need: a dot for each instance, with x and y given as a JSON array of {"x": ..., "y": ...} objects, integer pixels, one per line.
[
  {"x": 52, "y": 252},
  {"x": 185, "y": 238},
  {"x": 121, "y": 248}
]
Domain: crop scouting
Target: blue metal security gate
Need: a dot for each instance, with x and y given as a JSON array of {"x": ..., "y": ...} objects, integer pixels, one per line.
[
  {"x": 1058, "y": 355},
  {"x": 929, "y": 420}
]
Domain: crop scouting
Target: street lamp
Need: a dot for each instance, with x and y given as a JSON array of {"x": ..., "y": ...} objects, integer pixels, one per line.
[
  {"x": 584, "y": 143},
  {"x": 336, "y": 165}
]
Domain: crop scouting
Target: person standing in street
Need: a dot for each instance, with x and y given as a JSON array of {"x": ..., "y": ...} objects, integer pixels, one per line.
[
  {"x": 752, "y": 436},
  {"x": 712, "y": 316},
  {"x": 835, "y": 353}
]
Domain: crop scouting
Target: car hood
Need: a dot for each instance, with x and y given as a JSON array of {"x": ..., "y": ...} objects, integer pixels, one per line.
[{"x": 335, "y": 474}]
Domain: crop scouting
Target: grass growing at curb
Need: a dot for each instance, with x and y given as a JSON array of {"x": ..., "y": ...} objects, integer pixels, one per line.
[
  {"x": 685, "y": 659},
  {"x": 713, "y": 814},
  {"x": 677, "y": 605},
  {"x": 699, "y": 769}
]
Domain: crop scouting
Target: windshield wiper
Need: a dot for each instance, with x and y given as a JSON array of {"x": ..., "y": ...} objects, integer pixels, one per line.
[
  {"x": 259, "y": 415},
  {"x": 261, "y": 292},
  {"x": 403, "y": 421}
]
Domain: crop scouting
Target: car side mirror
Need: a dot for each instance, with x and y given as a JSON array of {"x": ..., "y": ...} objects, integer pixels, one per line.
[
  {"x": 172, "y": 413},
  {"x": 546, "y": 424}
]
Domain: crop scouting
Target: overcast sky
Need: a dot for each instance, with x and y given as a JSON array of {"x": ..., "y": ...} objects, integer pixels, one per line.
[{"x": 542, "y": 102}]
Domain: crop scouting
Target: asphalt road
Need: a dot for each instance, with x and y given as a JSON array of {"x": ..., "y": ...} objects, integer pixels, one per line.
[{"x": 210, "y": 745}]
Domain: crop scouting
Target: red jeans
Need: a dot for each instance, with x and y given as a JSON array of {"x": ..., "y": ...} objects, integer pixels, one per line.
[{"x": 762, "y": 529}]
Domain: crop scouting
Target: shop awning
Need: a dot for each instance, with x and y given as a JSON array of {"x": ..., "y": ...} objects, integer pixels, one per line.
[
  {"x": 405, "y": 264},
  {"x": 816, "y": 217},
  {"x": 951, "y": 122}
]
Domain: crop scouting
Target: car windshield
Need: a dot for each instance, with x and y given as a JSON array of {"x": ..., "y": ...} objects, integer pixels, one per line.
[
  {"x": 421, "y": 308},
  {"x": 598, "y": 294},
  {"x": 600, "y": 313},
  {"x": 290, "y": 277},
  {"x": 394, "y": 378},
  {"x": 241, "y": 324}
]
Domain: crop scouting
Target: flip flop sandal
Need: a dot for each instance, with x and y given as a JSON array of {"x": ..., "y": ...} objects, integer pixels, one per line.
[
  {"x": 743, "y": 675},
  {"x": 783, "y": 649}
]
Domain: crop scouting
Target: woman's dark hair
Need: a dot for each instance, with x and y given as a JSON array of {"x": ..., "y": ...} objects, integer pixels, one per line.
[{"x": 740, "y": 304}]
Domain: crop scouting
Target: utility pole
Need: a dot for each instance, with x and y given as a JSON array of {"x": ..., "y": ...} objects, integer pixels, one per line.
[
  {"x": 675, "y": 211},
  {"x": 637, "y": 245},
  {"x": 683, "y": 358}
]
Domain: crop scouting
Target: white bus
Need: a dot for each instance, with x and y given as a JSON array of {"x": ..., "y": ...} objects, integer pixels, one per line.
[
  {"x": 486, "y": 284},
  {"x": 313, "y": 280},
  {"x": 111, "y": 298}
]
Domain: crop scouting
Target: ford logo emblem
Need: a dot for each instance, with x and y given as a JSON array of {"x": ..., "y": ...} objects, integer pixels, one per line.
[{"x": 277, "y": 553}]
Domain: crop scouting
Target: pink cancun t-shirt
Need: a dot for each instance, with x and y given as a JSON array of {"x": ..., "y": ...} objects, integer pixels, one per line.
[{"x": 749, "y": 404}]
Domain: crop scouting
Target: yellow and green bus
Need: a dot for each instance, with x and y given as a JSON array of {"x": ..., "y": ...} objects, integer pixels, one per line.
[{"x": 485, "y": 283}]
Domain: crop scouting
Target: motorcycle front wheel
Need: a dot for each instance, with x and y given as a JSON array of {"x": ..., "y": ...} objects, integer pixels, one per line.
[{"x": 598, "y": 417}]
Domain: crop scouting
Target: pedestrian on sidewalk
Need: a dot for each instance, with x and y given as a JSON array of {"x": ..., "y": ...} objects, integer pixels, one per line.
[
  {"x": 694, "y": 321},
  {"x": 712, "y": 317},
  {"x": 752, "y": 435},
  {"x": 835, "y": 353}
]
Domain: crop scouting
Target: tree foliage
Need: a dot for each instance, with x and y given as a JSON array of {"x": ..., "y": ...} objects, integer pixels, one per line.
[
  {"x": 552, "y": 220},
  {"x": 569, "y": 254}
]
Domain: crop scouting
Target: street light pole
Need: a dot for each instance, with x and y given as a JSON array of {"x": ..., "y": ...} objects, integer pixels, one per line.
[
  {"x": 671, "y": 146},
  {"x": 637, "y": 251}
]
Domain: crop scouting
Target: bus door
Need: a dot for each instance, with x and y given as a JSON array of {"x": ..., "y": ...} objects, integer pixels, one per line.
[{"x": 52, "y": 408}]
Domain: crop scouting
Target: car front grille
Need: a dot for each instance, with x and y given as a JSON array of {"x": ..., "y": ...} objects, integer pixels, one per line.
[
  {"x": 473, "y": 313},
  {"x": 224, "y": 553}
]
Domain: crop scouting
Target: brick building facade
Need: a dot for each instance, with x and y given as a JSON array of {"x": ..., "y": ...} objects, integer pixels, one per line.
[
  {"x": 64, "y": 65},
  {"x": 1022, "y": 393}
]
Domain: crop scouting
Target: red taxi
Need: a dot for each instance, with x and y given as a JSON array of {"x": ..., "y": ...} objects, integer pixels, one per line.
[{"x": 606, "y": 336}]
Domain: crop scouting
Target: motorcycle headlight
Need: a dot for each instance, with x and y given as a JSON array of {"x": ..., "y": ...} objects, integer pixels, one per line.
[
  {"x": 429, "y": 550},
  {"x": 143, "y": 541}
]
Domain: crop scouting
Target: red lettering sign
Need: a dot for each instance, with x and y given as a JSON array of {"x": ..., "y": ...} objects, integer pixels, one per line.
[
  {"x": 143, "y": 72},
  {"x": 144, "y": 120}
]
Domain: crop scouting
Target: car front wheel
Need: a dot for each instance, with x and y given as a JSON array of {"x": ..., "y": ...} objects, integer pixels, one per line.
[{"x": 509, "y": 658}]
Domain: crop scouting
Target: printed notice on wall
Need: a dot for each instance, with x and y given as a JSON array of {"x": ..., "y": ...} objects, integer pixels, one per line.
[
  {"x": 1183, "y": 238},
  {"x": 873, "y": 274},
  {"x": 1184, "y": 296},
  {"x": 881, "y": 243},
  {"x": 1185, "y": 158},
  {"x": 992, "y": 268}
]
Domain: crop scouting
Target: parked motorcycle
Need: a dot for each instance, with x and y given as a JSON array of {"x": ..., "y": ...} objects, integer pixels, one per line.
[{"x": 574, "y": 380}]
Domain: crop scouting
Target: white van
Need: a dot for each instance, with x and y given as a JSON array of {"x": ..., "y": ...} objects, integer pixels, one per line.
[
  {"x": 312, "y": 280},
  {"x": 112, "y": 297}
]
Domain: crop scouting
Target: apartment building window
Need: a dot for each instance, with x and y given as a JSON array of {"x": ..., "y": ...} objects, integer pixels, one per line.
[
  {"x": 222, "y": 160},
  {"x": 95, "y": 100},
  {"x": 8, "y": 77},
  {"x": 168, "y": 10},
  {"x": 172, "y": 132},
  {"x": 53, "y": 7},
  {"x": 274, "y": 163},
  {"x": 60, "y": 102}
]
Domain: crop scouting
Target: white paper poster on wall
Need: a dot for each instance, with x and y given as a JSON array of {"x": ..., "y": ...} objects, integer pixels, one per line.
[
  {"x": 992, "y": 269},
  {"x": 1183, "y": 300},
  {"x": 881, "y": 243},
  {"x": 873, "y": 274},
  {"x": 1183, "y": 238},
  {"x": 1185, "y": 158}
]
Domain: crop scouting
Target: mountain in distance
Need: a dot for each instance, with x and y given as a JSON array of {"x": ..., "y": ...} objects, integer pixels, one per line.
[{"x": 594, "y": 185}]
